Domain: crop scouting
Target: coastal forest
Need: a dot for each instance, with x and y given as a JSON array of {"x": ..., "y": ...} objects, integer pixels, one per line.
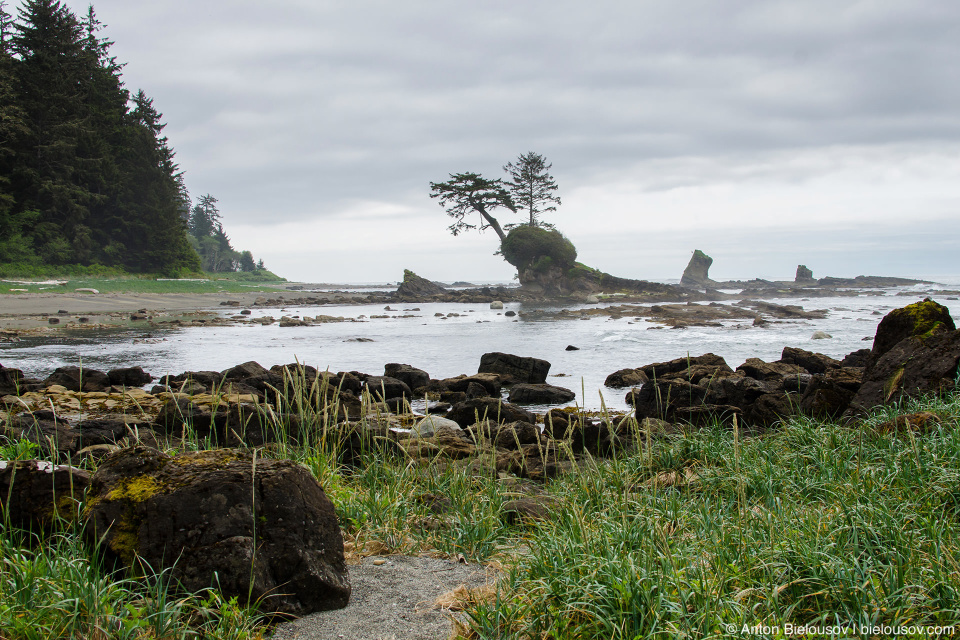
[{"x": 87, "y": 178}]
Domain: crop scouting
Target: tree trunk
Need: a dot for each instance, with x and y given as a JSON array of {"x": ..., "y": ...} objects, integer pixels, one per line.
[{"x": 493, "y": 223}]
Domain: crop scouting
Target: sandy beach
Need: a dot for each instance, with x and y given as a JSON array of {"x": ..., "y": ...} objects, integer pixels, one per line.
[{"x": 33, "y": 310}]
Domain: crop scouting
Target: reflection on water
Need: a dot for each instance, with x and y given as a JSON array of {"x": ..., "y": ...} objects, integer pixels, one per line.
[{"x": 429, "y": 337}]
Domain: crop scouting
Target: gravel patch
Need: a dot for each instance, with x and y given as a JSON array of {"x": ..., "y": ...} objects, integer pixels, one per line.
[{"x": 392, "y": 601}]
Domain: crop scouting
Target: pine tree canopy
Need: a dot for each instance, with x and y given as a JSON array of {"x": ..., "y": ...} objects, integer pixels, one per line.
[{"x": 86, "y": 175}]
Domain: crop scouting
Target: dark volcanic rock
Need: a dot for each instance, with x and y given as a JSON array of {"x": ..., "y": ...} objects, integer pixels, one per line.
[
  {"x": 920, "y": 319},
  {"x": 252, "y": 527},
  {"x": 662, "y": 398},
  {"x": 78, "y": 379},
  {"x": 176, "y": 416},
  {"x": 914, "y": 367},
  {"x": 770, "y": 371},
  {"x": 625, "y": 378},
  {"x": 858, "y": 358},
  {"x": 516, "y": 434},
  {"x": 385, "y": 388},
  {"x": 35, "y": 493},
  {"x": 540, "y": 394},
  {"x": 916, "y": 351},
  {"x": 478, "y": 409},
  {"x": 769, "y": 409},
  {"x": 812, "y": 362},
  {"x": 829, "y": 394},
  {"x": 489, "y": 381},
  {"x": 11, "y": 381},
  {"x": 411, "y": 376},
  {"x": 129, "y": 377},
  {"x": 516, "y": 369},
  {"x": 249, "y": 369},
  {"x": 660, "y": 369}
]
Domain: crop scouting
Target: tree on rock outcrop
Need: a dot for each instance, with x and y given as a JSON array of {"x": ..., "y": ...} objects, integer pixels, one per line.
[
  {"x": 467, "y": 193},
  {"x": 532, "y": 187}
]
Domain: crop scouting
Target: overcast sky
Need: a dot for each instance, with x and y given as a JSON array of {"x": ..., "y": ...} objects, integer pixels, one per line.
[{"x": 765, "y": 133}]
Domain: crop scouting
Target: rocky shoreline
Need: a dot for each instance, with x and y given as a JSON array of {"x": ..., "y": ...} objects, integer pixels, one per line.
[
  {"x": 696, "y": 304},
  {"x": 142, "y": 500}
]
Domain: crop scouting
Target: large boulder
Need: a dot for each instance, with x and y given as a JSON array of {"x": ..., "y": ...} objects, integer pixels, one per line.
[
  {"x": 540, "y": 394},
  {"x": 255, "y": 528},
  {"x": 129, "y": 377},
  {"x": 55, "y": 435},
  {"x": 625, "y": 378},
  {"x": 677, "y": 365},
  {"x": 917, "y": 320},
  {"x": 411, "y": 376},
  {"x": 664, "y": 398},
  {"x": 385, "y": 388},
  {"x": 35, "y": 495},
  {"x": 515, "y": 369},
  {"x": 770, "y": 371},
  {"x": 769, "y": 409},
  {"x": 515, "y": 435},
  {"x": 915, "y": 366},
  {"x": 249, "y": 369},
  {"x": 476, "y": 410},
  {"x": 808, "y": 360},
  {"x": 13, "y": 382},
  {"x": 489, "y": 381},
  {"x": 430, "y": 425},
  {"x": 78, "y": 379},
  {"x": 915, "y": 352}
]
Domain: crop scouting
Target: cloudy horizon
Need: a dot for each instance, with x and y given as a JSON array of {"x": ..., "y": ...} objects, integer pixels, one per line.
[{"x": 767, "y": 134}]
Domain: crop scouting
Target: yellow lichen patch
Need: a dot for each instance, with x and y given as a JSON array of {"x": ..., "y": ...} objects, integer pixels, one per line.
[
  {"x": 124, "y": 543},
  {"x": 135, "y": 489}
]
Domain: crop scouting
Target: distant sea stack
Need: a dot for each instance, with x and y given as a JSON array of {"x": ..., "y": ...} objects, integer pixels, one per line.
[
  {"x": 414, "y": 287},
  {"x": 804, "y": 275},
  {"x": 697, "y": 272}
]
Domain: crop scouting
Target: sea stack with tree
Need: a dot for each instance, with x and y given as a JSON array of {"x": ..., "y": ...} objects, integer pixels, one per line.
[{"x": 545, "y": 259}]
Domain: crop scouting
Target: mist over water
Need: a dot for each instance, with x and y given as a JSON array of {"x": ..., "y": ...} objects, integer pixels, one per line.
[{"x": 453, "y": 344}]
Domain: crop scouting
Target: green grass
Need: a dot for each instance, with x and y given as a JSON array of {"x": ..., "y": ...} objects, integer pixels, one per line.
[
  {"x": 814, "y": 523},
  {"x": 204, "y": 283}
]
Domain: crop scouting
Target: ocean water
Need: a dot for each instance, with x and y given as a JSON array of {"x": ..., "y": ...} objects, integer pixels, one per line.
[{"x": 450, "y": 345}]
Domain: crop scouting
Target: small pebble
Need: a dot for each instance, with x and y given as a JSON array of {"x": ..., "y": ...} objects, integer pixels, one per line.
[{"x": 379, "y": 561}]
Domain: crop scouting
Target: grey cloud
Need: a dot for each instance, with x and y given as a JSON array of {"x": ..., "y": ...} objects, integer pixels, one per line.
[{"x": 302, "y": 107}]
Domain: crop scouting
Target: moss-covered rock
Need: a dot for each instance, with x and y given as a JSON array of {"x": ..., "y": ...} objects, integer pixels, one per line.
[
  {"x": 920, "y": 320},
  {"x": 256, "y": 528},
  {"x": 528, "y": 247},
  {"x": 916, "y": 351}
]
